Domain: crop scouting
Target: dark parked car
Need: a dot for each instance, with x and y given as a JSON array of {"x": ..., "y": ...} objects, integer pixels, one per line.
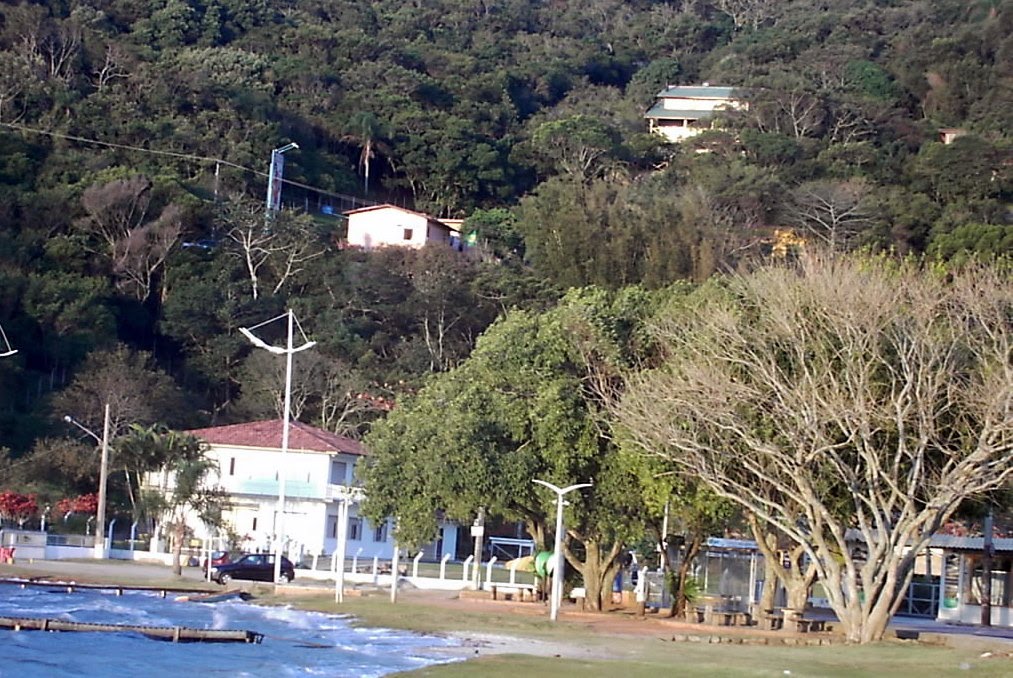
[{"x": 255, "y": 566}]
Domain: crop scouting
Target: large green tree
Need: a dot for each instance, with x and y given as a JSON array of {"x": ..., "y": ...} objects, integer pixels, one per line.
[{"x": 527, "y": 404}]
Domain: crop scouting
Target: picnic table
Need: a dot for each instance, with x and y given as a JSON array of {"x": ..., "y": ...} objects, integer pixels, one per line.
[
  {"x": 726, "y": 613},
  {"x": 792, "y": 619}
]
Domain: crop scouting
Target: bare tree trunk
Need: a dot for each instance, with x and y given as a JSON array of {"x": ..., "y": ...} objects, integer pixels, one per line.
[
  {"x": 178, "y": 531},
  {"x": 679, "y": 598},
  {"x": 598, "y": 568},
  {"x": 770, "y": 580}
]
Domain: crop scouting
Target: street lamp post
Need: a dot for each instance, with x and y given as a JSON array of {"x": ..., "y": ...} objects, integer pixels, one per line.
[
  {"x": 288, "y": 351},
  {"x": 274, "y": 177},
  {"x": 557, "y": 555},
  {"x": 347, "y": 496},
  {"x": 100, "y": 517},
  {"x": 6, "y": 349}
]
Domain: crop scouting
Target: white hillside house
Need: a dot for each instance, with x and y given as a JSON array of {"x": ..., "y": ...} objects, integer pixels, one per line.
[
  {"x": 682, "y": 112},
  {"x": 319, "y": 474},
  {"x": 391, "y": 226}
]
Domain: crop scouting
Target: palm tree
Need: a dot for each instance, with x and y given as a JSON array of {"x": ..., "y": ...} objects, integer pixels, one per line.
[
  {"x": 368, "y": 132},
  {"x": 185, "y": 490}
]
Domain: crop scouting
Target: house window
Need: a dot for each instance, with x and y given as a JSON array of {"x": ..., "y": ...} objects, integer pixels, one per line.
[
  {"x": 355, "y": 529},
  {"x": 254, "y": 528},
  {"x": 232, "y": 466},
  {"x": 380, "y": 533},
  {"x": 332, "y": 527},
  {"x": 339, "y": 472},
  {"x": 408, "y": 234}
]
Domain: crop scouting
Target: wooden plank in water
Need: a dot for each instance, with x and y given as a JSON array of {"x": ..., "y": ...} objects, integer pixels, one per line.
[{"x": 177, "y": 634}]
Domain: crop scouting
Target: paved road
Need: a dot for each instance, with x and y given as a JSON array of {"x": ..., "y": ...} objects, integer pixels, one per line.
[{"x": 99, "y": 570}]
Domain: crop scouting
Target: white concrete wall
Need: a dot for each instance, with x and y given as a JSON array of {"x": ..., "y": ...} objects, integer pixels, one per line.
[
  {"x": 677, "y": 133},
  {"x": 260, "y": 469},
  {"x": 971, "y": 614},
  {"x": 686, "y": 104},
  {"x": 381, "y": 227}
]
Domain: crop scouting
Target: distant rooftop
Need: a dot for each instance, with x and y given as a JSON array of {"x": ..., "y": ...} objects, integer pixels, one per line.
[
  {"x": 697, "y": 92},
  {"x": 949, "y": 541}
]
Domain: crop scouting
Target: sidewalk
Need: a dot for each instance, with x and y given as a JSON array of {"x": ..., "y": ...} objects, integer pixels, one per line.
[{"x": 100, "y": 571}]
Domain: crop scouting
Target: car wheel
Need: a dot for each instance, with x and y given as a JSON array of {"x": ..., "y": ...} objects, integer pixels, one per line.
[
  {"x": 224, "y": 578},
  {"x": 285, "y": 577}
]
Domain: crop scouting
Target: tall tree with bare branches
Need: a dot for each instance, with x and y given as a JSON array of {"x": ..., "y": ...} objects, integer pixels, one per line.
[{"x": 850, "y": 404}]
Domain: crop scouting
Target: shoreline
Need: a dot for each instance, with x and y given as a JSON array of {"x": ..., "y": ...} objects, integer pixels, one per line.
[{"x": 499, "y": 639}]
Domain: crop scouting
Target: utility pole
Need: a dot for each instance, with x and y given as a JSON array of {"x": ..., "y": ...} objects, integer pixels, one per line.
[
  {"x": 99, "y": 549},
  {"x": 103, "y": 479}
]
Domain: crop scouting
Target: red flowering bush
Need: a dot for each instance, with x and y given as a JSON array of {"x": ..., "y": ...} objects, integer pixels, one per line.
[
  {"x": 86, "y": 503},
  {"x": 17, "y": 506}
]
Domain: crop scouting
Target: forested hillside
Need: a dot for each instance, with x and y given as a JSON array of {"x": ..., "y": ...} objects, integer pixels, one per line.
[{"x": 135, "y": 136}]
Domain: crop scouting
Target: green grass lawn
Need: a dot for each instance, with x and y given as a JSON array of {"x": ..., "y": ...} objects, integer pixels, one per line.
[
  {"x": 655, "y": 656},
  {"x": 688, "y": 659}
]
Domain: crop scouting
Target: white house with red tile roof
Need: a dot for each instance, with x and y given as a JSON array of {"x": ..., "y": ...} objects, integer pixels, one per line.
[
  {"x": 319, "y": 472},
  {"x": 392, "y": 226}
]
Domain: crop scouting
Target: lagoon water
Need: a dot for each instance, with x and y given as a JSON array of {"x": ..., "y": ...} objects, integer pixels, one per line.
[{"x": 295, "y": 643}]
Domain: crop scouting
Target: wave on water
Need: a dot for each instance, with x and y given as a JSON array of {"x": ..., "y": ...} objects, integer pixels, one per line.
[{"x": 296, "y": 643}]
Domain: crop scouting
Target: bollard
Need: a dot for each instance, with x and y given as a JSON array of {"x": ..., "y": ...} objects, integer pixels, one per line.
[
  {"x": 443, "y": 566},
  {"x": 488, "y": 573}
]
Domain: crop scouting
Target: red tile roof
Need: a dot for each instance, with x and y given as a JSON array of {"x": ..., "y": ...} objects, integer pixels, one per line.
[{"x": 267, "y": 434}]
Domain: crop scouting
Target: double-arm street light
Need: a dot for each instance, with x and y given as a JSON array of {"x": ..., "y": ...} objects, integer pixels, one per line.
[
  {"x": 288, "y": 351},
  {"x": 557, "y": 555},
  {"x": 100, "y": 517},
  {"x": 6, "y": 349}
]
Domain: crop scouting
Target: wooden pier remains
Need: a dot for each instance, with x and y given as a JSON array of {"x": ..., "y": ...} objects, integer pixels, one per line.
[
  {"x": 176, "y": 634},
  {"x": 70, "y": 587}
]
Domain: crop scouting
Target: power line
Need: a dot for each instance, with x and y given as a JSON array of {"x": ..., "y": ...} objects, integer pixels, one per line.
[{"x": 185, "y": 156}]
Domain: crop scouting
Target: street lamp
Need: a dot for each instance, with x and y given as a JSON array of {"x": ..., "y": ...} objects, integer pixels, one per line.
[
  {"x": 288, "y": 351},
  {"x": 6, "y": 348},
  {"x": 274, "y": 177},
  {"x": 346, "y": 496},
  {"x": 100, "y": 517},
  {"x": 557, "y": 554}
]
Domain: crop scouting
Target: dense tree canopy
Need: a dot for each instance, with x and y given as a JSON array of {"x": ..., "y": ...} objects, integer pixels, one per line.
[
  {"x": 526, "y": 404},
  {"x": 134, "y": 140}
]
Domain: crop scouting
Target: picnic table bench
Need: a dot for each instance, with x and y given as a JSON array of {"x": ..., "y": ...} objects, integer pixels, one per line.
[
  {"x": 513, "y": 591},
  {"x": 722, "y": 616},
  {"x": 795, "y": 619}
]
